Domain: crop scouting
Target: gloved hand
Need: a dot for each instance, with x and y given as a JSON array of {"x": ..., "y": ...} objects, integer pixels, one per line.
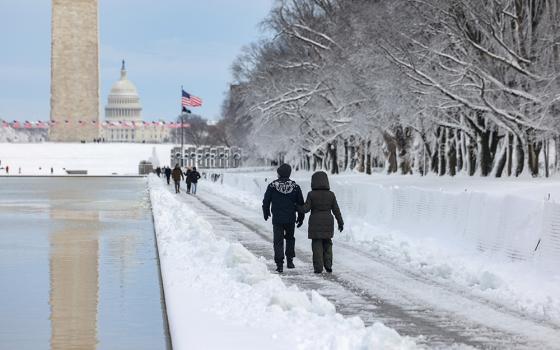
[
  {"x": 340, "y": 227},
  {"x": 300, "y": 219},
  {"x": 266, "y": 216}
]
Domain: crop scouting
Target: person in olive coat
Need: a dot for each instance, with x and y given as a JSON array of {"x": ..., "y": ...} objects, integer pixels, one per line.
[
  {"x": 283, "y": 195},
  {"x": 177, "y": 175},
  {"x": 321, "y": 202}
]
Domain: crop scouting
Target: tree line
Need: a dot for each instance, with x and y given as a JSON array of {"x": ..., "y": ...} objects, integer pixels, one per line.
[{"x": 409, "y": 86}]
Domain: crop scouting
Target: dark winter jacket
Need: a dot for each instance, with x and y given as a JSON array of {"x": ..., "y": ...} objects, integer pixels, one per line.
[
  {"x": 283, "y": 194},
  {"x": 321, "y": 202},
  {"x": 177, "y": 174},
  {"x": 188, "y": 175},
  {"x": 168, "y": 172},
  {"x": 193, "y": 176}
]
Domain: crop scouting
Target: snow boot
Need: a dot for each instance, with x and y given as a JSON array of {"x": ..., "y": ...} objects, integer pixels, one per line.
[
  {"x": 279, "y": 268},
  {"x": 328, "y": 270},
  {"x": 290, "y": 264}
]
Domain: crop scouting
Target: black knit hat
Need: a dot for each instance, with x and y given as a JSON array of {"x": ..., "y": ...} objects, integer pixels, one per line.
[{"x": 284, "y": 171}]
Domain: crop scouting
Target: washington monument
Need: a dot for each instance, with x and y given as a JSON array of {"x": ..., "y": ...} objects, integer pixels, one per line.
[{"x": 74, "y": 71}]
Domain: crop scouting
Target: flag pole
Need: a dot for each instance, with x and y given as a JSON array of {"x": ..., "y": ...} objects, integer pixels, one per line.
[{"x": 182, "y": 114}]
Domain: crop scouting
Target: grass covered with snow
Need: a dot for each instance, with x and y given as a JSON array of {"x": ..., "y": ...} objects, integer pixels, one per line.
[
  {"x": 475, "y": 236},
  {"x": 97, "y": 159},
  {"x": 220, "y": 296}
]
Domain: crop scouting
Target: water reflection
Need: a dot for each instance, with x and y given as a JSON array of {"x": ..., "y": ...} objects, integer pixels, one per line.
[
  {"x": 74, "y": 278},
  {"x": 78, "y": 266}
]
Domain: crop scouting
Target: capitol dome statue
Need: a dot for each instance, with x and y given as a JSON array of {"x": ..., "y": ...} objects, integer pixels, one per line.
[{"x": 123, "y": 102}]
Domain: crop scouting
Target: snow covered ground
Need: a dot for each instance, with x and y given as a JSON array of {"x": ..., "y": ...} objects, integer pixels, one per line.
[
  {"x": 220, "y": 296},
  {"x": 477, "y": 236},
  {"x": 98, "y": 159}
]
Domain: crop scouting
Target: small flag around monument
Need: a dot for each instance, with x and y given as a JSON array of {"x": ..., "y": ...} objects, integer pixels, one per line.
[{"x": 189, "y": 100}]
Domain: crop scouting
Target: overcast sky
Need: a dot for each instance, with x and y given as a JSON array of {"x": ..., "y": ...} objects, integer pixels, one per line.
[{"x": 166, "y": 44}]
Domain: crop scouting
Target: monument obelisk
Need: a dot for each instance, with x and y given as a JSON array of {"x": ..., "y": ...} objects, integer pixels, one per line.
[{"x": 74, "y": 71}]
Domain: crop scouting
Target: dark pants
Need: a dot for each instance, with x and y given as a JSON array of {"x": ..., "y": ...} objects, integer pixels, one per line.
[
  {"x": 281, "y": 232},
  {"x": 168, "y": 177},
  {"x": 322, "y": 254},
  {"x": 177, "y": 186},
  {"x": 188, "y": 186}
]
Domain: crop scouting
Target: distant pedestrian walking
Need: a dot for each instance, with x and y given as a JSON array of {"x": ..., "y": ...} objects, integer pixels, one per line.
[
  {"x": 321, "y": 202},
  {"x": 167, "y": 174},
  {"x": 194, "y": 176},
  {"x": 283, "y": 195},
  {"x": 158, "y": 171},
  {"x": 177, "y": 175},
  {"x": 7, "y": 169},
  {"x": 188, "y": 179},
  {"x": 52, "y": 170}
]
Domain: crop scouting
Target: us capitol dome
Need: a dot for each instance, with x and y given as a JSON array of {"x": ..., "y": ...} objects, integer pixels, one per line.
[
  {"x": 123, "y": 116},
  {"x": 123, "y": 102}
]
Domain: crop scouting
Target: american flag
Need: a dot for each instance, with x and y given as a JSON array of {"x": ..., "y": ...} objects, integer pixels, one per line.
[{"x": 189, "y": 100}]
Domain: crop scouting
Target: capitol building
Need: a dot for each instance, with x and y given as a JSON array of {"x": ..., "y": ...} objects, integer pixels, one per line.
[{"x": 123, "y": 116}]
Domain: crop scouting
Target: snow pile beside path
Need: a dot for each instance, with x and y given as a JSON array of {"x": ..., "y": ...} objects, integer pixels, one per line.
[
  {"x": 97, "y": 159},
  {"x": 220, "y": 296},
  {"x": 482, "y": 242}
]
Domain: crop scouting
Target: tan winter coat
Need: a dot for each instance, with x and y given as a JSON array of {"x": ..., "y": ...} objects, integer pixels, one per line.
[{"x": 177, "y": 174}]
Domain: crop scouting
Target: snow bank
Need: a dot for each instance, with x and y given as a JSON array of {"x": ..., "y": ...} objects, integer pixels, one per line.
[
  {"x": 98, "y": 159},
  {"x": 220, "y": 296},
  {"x": 496, "y": 245}
]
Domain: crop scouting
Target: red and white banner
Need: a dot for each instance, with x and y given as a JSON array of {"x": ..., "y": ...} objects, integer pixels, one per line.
[{"x": 80, "y": 124}]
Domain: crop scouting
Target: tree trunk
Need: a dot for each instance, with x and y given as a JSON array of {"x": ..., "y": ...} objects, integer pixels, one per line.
[
  {"x": 345, "y": 155},
  {"x": 459, "y": 151},
  {"x": 546, "y": 148},
  {"x": 362, "y": 156},
  {"x": 368, "y": 162},
  {"x": 520, "y": 156},
  {"x": 403, "y": 141},
  {"x": 333, "y": 149},
  {"x": 533, "y": 151},
  {"x": 391, "y": 153},
  {"x": 434, "y": 157},
  {"x": 510, "y": 154},
  {"x": 502, "y": 161},
  {"x": 452, "y": 152},
  {"x": 442, "y": 153},
  {"x": 472, "y": 152},
  {"x": 485, "y": 157}
]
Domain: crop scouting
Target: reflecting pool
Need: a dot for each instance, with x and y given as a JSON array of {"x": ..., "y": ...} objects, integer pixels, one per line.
[{"x": 78, "y": 265}]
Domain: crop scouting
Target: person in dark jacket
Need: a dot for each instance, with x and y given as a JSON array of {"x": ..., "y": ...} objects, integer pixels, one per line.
[
  {"x": 167, "y": 174},
  {"x": 188, "y": 179},
  {"x": 321, "y": 202},
  {"x": 158, "y": 171},
  {"x": 177, "y": 175},
  {"x": 283, "y": 194},
  {"x": 194, "y": 176}
]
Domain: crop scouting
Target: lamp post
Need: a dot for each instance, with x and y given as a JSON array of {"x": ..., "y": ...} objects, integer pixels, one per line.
[{"x": 184, "y": 112}]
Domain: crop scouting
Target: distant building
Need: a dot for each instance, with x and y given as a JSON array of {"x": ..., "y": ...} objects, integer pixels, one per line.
[{"x": 123, "y": 116}]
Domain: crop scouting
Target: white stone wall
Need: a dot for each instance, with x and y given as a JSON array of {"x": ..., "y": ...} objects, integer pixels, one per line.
[{"x": 74, "y": 70}]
